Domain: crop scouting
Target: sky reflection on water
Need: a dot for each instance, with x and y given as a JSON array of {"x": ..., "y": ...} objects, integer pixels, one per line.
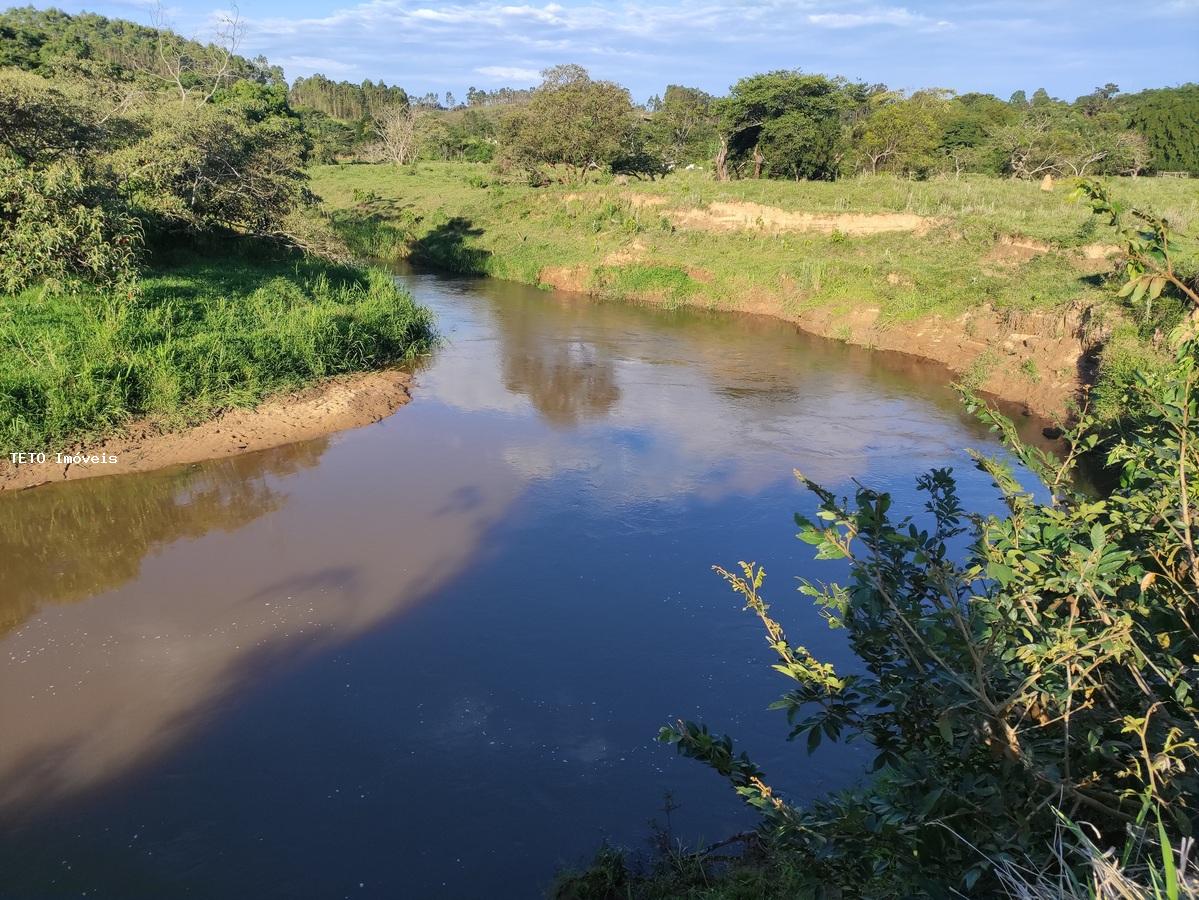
[{"x": 428, "y": 657}]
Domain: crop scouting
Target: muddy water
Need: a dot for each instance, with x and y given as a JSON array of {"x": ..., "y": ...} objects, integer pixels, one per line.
[{"x": 427, "y": 658}]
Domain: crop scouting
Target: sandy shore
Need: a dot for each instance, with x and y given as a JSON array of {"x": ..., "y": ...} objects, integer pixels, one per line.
[{"x": 332, "y": 405}]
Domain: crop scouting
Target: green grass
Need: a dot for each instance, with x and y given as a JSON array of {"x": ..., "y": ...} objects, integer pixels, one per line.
[
  {"x": 458, "y": 216},
  {"x": 192, "y": 339}
]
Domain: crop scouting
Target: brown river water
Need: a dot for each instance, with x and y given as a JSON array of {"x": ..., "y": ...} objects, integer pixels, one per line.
[{"x": 428, "y": 657}]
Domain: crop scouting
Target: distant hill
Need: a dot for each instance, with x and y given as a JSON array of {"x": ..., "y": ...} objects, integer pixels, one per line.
[{"x": 56, "y": 44}]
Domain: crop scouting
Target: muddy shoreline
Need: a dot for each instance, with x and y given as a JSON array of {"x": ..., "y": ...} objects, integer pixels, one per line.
[
  {"x": 1036, "y": 360},
  {"x": 335, "y": 404}
]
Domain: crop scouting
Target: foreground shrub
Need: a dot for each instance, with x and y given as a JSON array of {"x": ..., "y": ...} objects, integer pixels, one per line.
[
  {"x": 1044, "y": 673},
  {"x": 58, "y": 224}
]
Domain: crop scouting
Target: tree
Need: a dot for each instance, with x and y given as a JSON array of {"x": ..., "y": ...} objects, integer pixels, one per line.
[
  {"x": 193, "y": 74},
  {"x": 1033, "y": 147},
  {"x": 398, "y": 129},
  {"x": 1130, "y": 154},
  {"x": 966, "y": 125},
  {"x": 236, "y": 163},
  {"x": 1166, "y": 119},
  {"x": 796, "y": 117},
  {"x": 642, "y": 154},
  {"x": 683, "y": 125},
  {"x": 58, "y": 224},
  {"x": 570, "y": 121},
  {"x": 345, "y": 101},
  {"x": 330, "y": 139},
  {"x": 902, "y": 134},
  {"x": 39, "y": 121},
  {"x": 1098, "y": 101},
  {"x": 113, "y": 51}
]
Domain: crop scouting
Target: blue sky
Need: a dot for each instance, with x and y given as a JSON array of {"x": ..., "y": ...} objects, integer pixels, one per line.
[{"x": 1066, "y": 46}]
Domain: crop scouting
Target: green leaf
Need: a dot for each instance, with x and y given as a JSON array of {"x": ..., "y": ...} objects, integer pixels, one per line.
[
  {"x": 1168, "y": 870},
  {"x": 813, "y": 739},
  {"x": 1000, "y": 573},
  {"x": 946, "y": 729}
]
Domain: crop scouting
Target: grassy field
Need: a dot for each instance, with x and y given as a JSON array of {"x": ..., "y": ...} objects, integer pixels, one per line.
[
  {"x": 627, "y": 240},
  {"x": 192, "y": 339}
]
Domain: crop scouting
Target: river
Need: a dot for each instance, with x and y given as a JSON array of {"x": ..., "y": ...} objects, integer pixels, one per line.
[{"x": 428, "y": 657}]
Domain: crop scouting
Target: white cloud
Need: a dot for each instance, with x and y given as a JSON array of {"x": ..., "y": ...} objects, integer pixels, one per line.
[
  {"x": 896, "y": 16},
  {"x": 509, "y": 73},
  {"x": 297, "y": 64},
  {"x": 994, "y": 45}
]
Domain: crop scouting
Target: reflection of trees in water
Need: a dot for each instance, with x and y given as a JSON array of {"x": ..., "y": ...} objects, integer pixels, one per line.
[
  {"x": 568, "y": 381},
  {"x": 67, "y": 542}
]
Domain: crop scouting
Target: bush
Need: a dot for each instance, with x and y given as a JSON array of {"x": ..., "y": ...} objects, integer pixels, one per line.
[
  {"x": 58, "y": 224},
  {"x": 1048, "y": 677},
  {"x": 39, "y": 121},
  {"x": 234, "y": 165},
  {"x": 1053, "y": 668}
]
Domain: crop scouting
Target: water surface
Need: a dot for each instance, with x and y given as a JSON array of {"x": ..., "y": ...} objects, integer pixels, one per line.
[{"x": 427, "y": 658}]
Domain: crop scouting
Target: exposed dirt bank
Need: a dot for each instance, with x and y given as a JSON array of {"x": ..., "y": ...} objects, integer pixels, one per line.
[
  {"x": 744, "y": 215},
  {"x": 333, "y": 405},
  {"x": 1037, "y": 359},
  {"x": 741, "y": 216}
]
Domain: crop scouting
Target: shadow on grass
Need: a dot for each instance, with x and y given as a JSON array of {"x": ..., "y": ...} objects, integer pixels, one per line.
[
  {"x": 447, "y": 247},
  {"x": 198, "y": 267}
]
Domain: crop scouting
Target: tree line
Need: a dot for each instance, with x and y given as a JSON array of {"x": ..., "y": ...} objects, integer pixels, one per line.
[
  {"x": 785, "y": 124},
  {"x": 116, "y": 136},
  {"x": 796, "y": 125}
]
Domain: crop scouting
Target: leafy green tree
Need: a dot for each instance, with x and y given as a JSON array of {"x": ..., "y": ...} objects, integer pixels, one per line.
[
  {"x": 39, "y": 121},
  {"x": 569, "y": 121},
  {"x": 1040, "y": 97},
  {"x": 784, "y": 122},
  {"x": 1035, "y": 146},
  {"x": 235, "y": 164},
  {"x": 88, "y": 46},
  {"x": 331, "y": 139},
  {"x": 641, "y": 154},
  {"x": 59, "y": 221},
  {"x": 684, "y": 125},
  {"x": 902, "y": 134},
  {"x": 966, "y": 126},
  {"x": 1099, "y": 101},
  {"x": 344, "y": 100},
  {"x": 1166, "y": 118},
  {"x": 59, "y": 225}
]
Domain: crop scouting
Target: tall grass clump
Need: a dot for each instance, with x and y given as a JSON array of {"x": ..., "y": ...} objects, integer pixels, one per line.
[{"x": 188, "y": 341}]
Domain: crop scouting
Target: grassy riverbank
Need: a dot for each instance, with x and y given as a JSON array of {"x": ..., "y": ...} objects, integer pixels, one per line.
[
  {"x": 190, "y": 339},
  {"x": 1013, "y": 276}
]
